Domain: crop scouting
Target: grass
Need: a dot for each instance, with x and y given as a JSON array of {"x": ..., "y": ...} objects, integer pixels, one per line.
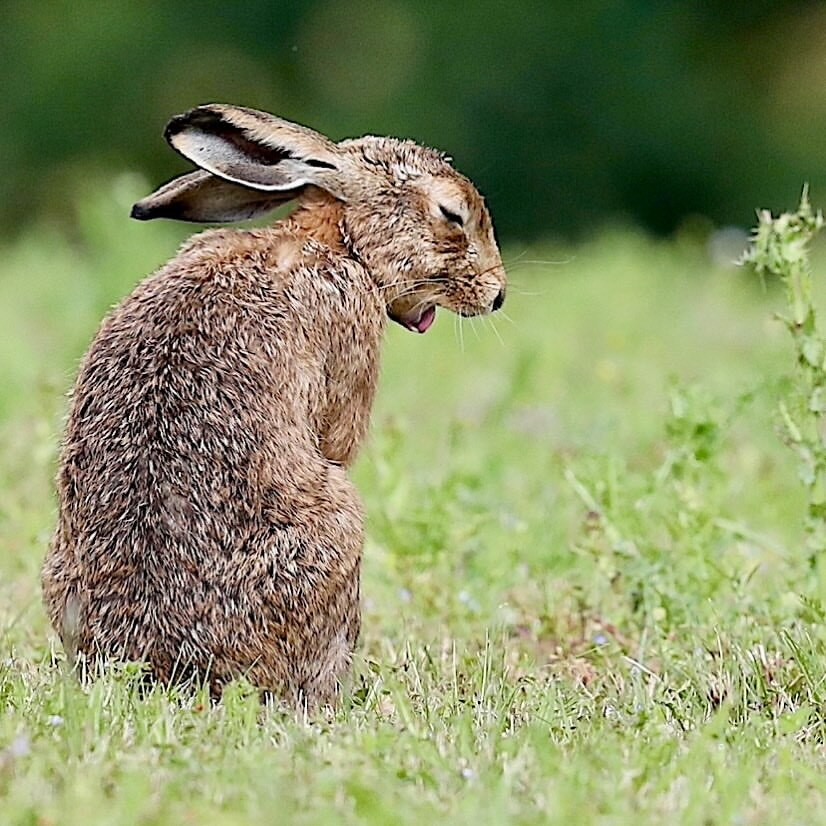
[{"x": 587, "y": 591}]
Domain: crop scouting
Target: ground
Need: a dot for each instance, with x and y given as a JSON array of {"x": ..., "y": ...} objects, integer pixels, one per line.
[{"x": 587, "y": 592}]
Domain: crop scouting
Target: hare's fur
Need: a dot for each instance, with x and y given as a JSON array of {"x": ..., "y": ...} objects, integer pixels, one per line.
[{"x": 206, "y": 522}]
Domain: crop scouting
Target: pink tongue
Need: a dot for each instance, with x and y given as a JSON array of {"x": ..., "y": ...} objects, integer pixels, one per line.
[{"x": 428, "y": 317}]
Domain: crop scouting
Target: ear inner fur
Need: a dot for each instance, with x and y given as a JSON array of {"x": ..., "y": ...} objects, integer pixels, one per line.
[
  {"x": 201, "y": 197},
  {"x": 262, "y": 152}
]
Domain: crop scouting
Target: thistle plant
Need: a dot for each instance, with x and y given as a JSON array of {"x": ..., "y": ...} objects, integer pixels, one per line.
[{"x": 781, "y": 248}]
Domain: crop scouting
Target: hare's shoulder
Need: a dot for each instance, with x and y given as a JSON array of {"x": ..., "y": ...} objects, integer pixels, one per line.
[
  {"x": 226, "y": 257},
  {"x": 275, "y": 257},
  {"x": 268, "y": 285}
]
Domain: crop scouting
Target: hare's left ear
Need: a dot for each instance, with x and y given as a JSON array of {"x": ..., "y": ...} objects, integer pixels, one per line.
[
  {"x": 202, "y": 198},
  {"x": 256, "y": 149}
]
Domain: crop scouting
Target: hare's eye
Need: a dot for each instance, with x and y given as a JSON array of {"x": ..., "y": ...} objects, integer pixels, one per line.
[{"x": 453, "y": 217}]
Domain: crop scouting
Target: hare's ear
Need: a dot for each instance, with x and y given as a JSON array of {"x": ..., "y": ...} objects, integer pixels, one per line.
[
  {"x": 256, "y": 149},
  {"x": 203, "y": 198}
]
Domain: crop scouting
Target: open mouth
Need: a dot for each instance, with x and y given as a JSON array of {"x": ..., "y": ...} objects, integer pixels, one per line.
[{"x": 418, "y": 321}]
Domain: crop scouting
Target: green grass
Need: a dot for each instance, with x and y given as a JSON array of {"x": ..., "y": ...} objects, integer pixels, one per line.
[{"x": 587, "y": 596}]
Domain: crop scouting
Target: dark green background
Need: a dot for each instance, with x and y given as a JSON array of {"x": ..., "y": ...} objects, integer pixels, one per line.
[{"x": 567, "y": 114}]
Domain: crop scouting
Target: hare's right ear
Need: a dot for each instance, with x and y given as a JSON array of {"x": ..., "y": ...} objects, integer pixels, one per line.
[
  {"x": 256, "y": 149},
  {"x": 203, "y": 198}
]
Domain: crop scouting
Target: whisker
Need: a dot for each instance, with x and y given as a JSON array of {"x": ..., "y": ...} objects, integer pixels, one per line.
[
  {"x": 473, "y": 327},
  {"x": 407, "y": 288},
  {"x": 410, "y": 291},
  {"x": 405, "y": 294},
  {"x": 550, "y": 262},
  {"x": 489, "y": 269},
  {"x": 505, "y": 316},
  {"x": 518, "y": 258},
  {"x": 495, "y": 331},
  {"x": 409, "y": 285},
  {"x": 419, "y": 305},
  {"x": 512, "y": 288}
]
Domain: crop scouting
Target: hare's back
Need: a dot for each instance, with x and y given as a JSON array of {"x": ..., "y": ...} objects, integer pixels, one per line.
[{"x": 193, "y": 394}]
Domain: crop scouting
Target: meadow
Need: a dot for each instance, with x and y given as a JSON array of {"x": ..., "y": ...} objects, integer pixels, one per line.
[{"x": 589, "y": 590}]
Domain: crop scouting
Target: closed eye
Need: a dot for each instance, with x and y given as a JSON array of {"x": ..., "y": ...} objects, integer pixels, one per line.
[{"x": 453, "y": 217}]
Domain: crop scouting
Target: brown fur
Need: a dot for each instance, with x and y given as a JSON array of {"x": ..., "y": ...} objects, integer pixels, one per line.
[{"x": 206, "y": 522}]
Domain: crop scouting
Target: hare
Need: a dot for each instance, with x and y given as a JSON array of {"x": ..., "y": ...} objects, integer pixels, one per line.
[{"x": 206, "y": 523}]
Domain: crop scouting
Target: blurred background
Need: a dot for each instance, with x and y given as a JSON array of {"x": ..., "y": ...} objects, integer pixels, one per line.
[
  {"x": 623, "y": 146},
  {"x": 569, "y": 115}
]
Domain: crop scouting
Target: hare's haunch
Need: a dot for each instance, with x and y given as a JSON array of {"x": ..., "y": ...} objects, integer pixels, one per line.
[{"x": 206, "y": 523}]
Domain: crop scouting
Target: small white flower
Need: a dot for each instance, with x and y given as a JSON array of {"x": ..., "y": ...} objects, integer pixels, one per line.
[{"x": 19, "y": 747}]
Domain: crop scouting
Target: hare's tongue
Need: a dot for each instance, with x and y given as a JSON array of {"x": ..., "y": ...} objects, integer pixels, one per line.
[
  {"x": 425, "y": 320},
  {"x": 418, "y": 322}
]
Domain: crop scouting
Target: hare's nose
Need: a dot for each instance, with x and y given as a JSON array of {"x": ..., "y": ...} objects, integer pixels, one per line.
[{"x": 499, "y": 300}]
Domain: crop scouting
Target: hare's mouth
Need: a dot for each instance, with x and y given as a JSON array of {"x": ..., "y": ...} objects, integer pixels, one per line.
[{"x": 418, "y": 320}]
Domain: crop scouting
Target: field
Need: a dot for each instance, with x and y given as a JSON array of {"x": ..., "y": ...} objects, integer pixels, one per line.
[{"x": 587, "y": 590}]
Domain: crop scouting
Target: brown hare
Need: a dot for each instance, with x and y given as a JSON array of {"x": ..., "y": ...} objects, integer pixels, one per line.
[{"x": 206, "y": 522}]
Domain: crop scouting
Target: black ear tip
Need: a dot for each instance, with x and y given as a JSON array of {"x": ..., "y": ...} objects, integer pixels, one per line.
[
  {"x": 176, "y": 125},
  {"x": 140, "y": 212},
  {"x": 199, "y": 116}
]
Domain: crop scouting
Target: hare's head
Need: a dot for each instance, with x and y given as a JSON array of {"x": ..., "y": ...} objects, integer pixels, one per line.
[{"x": 421, "y": 229}]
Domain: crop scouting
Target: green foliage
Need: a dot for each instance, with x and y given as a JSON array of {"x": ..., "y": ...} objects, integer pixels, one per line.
[
  {"x": 781, "y": 249},
  {"x": 565, "y": 114},
  {"x": 587, "y": 593}
]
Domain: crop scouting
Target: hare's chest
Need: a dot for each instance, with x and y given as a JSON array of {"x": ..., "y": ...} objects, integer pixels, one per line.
[{"x": 351, "y": 373}]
